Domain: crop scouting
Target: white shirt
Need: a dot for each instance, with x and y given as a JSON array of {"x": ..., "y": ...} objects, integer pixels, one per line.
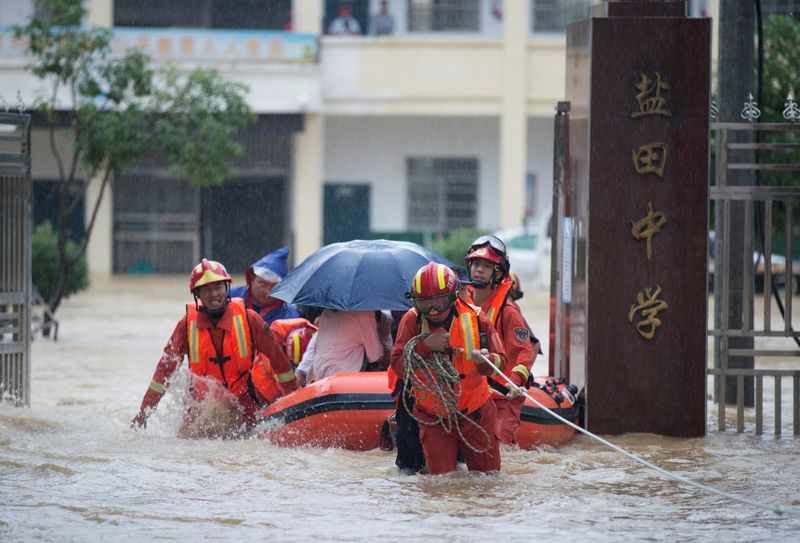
[{"x": 340, "y": 344}]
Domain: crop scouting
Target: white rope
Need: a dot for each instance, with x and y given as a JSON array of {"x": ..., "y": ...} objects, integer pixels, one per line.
[{"x": 777, "y": 509}]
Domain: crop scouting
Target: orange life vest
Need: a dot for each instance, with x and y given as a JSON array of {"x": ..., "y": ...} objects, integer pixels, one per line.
[
  {"x": 280, "y": 328},
  {"x": 237, "y": 351},
  {"x": 497, "y": 299},
  {"x": 265, "y": 381},
  {"x": 465, "y": 337}
]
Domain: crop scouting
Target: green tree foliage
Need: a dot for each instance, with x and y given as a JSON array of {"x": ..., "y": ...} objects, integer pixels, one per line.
[
  {"x": 44, "y": 260},
  {"x": 454, "y": 245},
  {"x": 781, "y": 79},
  {"x": 122, "y": 108}
]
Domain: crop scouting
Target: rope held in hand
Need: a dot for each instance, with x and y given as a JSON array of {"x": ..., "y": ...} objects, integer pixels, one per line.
[{"x": 436, "y": 376}]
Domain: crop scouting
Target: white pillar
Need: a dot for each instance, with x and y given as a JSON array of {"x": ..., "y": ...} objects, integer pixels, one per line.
[
  {"x": 513, "y": 116},
  {"x": 101, "y": 12},
  {"x": 307, "y": 175},
  {"x": 100, "y": 249},
  {"x": 307, "y": 16}
]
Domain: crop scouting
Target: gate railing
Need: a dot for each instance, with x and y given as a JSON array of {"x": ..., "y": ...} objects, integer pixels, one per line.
[
  {"x": 15, "y": 257},
  {"x": 769, "y": 198}
]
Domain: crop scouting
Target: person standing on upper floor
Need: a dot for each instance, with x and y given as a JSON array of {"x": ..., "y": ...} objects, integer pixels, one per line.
[
  {"x": 382, "y": 23},
  {"x": 262, "y": 276},
  {"x": 488, "y": 266},
  {"x": 344, "y": 24}
]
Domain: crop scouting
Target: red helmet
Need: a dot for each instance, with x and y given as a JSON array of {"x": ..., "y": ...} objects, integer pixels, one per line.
[
  {"x": 434, "y": 287},
  {"x": 296, "y": 343},
  {"x": 208, "y": 271},
  {"x": 489, "y": 248}
]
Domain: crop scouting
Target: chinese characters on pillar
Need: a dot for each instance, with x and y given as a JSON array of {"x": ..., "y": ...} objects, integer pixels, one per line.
[{"x": 649, "y": 158}]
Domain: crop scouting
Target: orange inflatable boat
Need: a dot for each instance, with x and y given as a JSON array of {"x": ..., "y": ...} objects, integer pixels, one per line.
[{"x": 348, "y": 411}]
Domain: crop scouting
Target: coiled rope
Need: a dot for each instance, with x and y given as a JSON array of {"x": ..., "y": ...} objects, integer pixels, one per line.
[
  {"x": 777, "y": 509},
  {"x": 436, "y": 376}
]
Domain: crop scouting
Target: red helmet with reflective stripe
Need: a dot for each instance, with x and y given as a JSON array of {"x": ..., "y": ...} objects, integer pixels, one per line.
[
  {"x": 296, "y": 343},
  {"x": 434, "y": 279},
  {"x": 208, "y": 271},
  {"x": 489, "y": 248}
]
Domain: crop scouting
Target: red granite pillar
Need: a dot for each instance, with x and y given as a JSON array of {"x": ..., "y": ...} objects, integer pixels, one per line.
[{"x": 638, "y": 78}]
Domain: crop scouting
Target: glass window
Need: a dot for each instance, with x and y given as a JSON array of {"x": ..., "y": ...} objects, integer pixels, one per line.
[
  {"x": 554, "y": 15},
  {"x": 243, "y": 14},
  {"x": 443, "y": 15},
  {"x": 442, "y": 193}
]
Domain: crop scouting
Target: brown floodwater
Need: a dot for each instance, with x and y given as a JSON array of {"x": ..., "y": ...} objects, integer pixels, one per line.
[{"x": 71, "y": 469}]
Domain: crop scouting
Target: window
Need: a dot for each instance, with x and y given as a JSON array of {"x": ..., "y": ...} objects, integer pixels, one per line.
[
  {"x": 242, "y": 14},
  {"x": 443, "y": 15},
  {"x": 554, "y": 15},
  {"x": 780, "y": 7},
  {"x": 442, "y": 193}
]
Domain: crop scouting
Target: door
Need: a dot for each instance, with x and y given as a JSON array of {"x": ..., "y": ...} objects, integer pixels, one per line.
[{"x": 346, "y": 212}]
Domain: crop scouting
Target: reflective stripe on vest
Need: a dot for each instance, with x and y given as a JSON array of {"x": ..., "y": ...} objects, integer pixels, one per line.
[
  {"x": 498, "y": 299},
  {"x": 464, "y": 334},
  {"x": 236, "y": 345}
]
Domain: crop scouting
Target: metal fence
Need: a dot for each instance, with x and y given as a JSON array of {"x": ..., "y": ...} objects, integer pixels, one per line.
[
  {"x": 761, "y": 204},
  {"x": 15, "y": 258}
]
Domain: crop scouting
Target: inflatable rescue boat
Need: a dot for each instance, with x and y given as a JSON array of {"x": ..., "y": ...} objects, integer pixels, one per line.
[{"x": 349, "y": 410}]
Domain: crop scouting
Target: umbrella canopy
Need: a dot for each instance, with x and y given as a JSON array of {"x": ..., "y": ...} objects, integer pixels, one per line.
[{"x": 358, "y": 275}]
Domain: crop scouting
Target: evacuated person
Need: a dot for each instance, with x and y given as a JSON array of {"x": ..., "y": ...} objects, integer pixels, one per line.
[
  {"x": 221, "y": 338},
  {"x": 441, "y": 323},
  {"x": 488, "y": 266},
  {"x": 262, "y": 276},
  {"x": 344, "y": 340}
]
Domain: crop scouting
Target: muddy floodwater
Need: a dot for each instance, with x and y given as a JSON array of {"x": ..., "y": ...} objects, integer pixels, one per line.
[{"x": 71, "y": 468}]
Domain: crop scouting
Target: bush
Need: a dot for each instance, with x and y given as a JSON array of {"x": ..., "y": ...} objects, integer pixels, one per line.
[
  {"x": 44, "y": 260},
  {"x": 454, "y": 245}
]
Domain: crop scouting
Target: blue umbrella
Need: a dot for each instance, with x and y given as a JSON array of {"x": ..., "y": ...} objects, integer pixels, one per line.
[{"x": 358, "y": 275}]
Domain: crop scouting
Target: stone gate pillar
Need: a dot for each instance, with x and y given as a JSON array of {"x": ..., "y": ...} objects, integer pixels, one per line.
[{"x": 638, "y": 79}]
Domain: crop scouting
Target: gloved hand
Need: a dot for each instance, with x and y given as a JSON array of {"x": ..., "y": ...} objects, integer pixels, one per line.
[{"x": 139, "y": 421}]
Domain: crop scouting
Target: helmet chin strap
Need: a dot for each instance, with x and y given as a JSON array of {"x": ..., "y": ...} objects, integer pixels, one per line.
[{"x": 218, "y": 312}]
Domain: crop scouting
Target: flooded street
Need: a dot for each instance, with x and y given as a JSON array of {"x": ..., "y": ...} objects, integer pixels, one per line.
[{"x": 71, "y": 469}]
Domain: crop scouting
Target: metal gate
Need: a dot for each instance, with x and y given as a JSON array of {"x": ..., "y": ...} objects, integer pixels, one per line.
[
  {"x": 759, "y": 206},
  {"x": 15, "y": 258}
]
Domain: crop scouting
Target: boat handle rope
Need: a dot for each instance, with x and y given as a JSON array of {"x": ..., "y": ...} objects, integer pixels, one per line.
[{"x": 777, "y": 509}]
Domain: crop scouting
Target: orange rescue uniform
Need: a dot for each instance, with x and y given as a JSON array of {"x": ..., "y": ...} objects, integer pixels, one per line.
[
  {"x": 440, "y": 447},
  {"x": 223, "y": 352},
  {"x": 519, "y": 346}
]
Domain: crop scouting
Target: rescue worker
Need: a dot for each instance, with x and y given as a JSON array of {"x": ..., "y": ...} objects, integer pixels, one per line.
[
  {"x": 488, "y": 266},
  {"x": 294, "y": 335},
  {"x": 454, "y": 329},
  {"x": 221, "y": 338},
  {"x": 261, "y": 277}
]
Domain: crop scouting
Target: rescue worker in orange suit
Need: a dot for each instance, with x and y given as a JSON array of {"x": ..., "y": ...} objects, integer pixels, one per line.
[
  {"x": 488, "y": 265},
  {"x": 455, "y": 329},
  {"x": 221, "y": 338}
]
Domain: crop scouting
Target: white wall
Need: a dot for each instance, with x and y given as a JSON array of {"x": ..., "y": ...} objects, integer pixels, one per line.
[
  {"x": 374, "y": 150},
  {"x": 15, "y": 12}
]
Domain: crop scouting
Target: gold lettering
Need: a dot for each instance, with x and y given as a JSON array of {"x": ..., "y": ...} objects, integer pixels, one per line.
[
  {"x": 648, "y": 226},
  {"x": 651, "y": 158},
  {"x": 649, "y": 98},
  {"x": 648, "y": 303}
]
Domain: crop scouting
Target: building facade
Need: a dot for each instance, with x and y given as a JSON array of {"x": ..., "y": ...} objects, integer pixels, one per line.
[{"x": 446, "y": 121}]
